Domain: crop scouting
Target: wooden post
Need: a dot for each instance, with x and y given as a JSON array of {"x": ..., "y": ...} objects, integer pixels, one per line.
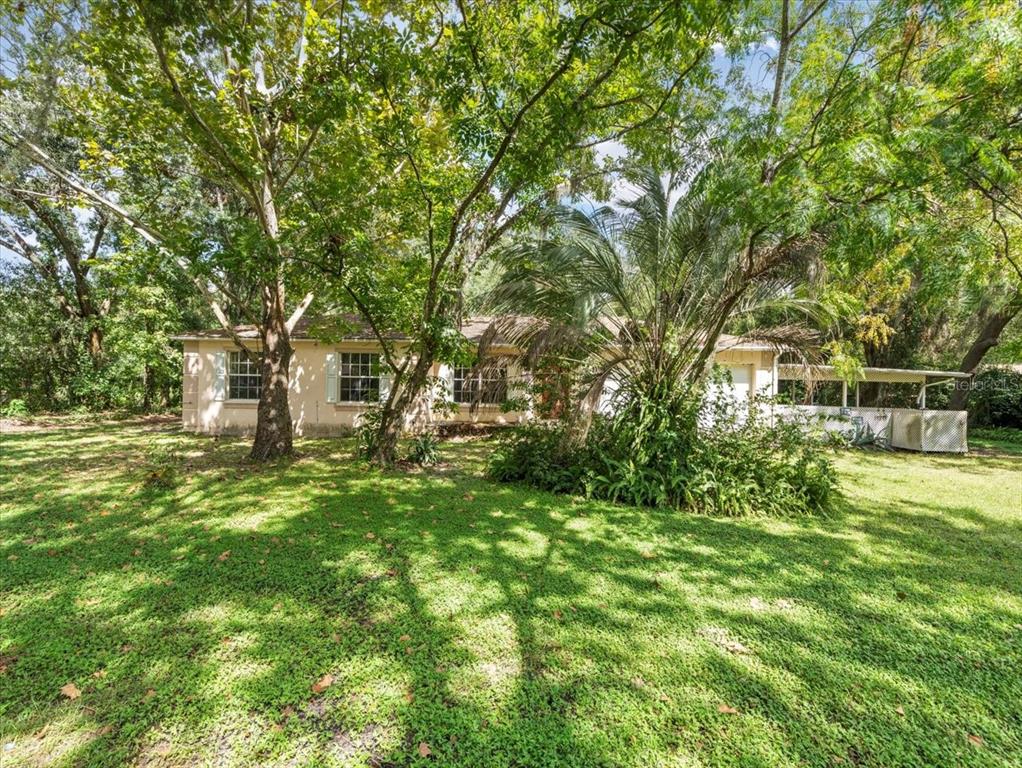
[{"x": 844, "y": 394}]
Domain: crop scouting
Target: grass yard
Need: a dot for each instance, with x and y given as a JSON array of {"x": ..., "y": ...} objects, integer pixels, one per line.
[{"x": 322, "y": 613}]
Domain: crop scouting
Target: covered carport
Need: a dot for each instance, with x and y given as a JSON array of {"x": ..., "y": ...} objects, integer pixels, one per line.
[{"x": 916, "y": 429}]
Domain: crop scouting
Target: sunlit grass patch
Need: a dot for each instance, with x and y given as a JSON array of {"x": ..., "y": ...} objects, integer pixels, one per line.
[{"x": 318, "y": 611}]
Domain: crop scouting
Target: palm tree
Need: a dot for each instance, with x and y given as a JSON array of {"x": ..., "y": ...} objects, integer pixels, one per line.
[{"x": 638, "y": 296}]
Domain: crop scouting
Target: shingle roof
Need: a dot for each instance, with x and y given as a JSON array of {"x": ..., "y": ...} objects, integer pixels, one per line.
[
  {"x": 352, "y": 327},
  {"x": 347, "y": 327}
]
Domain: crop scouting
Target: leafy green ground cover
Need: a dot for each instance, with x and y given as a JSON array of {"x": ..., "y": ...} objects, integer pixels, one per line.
[{"x": 166, "y": 603}]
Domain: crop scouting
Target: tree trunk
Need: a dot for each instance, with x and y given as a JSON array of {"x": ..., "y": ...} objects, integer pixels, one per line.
[
  {"x": 274, "y": 433},
  {"x": 147, "y": 388},
  {"x": 403, "y": 395},
  {"x": 96, "y": 344},
  {"x": 988, "y": 338}
]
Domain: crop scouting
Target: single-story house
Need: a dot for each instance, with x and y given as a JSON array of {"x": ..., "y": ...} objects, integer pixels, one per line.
[{"x": 334, "y": 381}]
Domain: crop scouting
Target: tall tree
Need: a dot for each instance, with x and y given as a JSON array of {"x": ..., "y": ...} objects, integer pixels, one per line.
[
  {"x": 634, "y": 295},
  {"x": 492, "y": 107},
  {"x": 42, "y": 220},
  {"x": 934, "y": 260},
  {"x": 210, "y": 117},
  {"x": 240, "y": 93}
]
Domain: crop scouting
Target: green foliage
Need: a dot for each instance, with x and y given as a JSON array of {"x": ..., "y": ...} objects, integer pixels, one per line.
[
  {"x": 16, "y": 409},
  {"x": 425, "y": 450},
  {"x": 160, "y": 468},
  {"x": 701, "y": 453},
  {"x": 46, "y": 360},
  {"x": 1007, "y": 435},
  {"x": 640, "y": 294},
  {"x": 367, "y": 431},
  {"x": 535, "y": 454},
  {"x": 995, "y": 399}
]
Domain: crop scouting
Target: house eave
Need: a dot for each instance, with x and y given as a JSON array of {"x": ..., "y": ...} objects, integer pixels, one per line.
[{"x": 870, "y": 374}]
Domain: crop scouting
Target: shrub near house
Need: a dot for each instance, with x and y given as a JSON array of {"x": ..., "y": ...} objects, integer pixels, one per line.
[{"x": 709, "y": 454}]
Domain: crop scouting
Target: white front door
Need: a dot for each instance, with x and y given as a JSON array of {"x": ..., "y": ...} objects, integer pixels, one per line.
[{"x": 741, "y": 381}]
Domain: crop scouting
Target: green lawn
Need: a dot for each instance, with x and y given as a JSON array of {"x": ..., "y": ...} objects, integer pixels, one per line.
[{"x": 484, "y": 625}]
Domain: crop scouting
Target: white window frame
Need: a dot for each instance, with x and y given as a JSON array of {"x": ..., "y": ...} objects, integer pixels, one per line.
[
  {"x": 345, "y": 361},
  {"x": 497, "y": 375},
  {"x": 236, "y": 358}
]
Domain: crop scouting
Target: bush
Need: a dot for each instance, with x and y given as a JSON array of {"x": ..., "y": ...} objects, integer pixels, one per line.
[
  {"x": 535, "y": 454},
  {"x": 160, "y": 469},
  {"x": 367, "y": 431},
  {"x": 425, "y": 450},
  {"x": 995, "y": 399},
  {"x": 16, "y": 409},
  {"x": 706, "y": 454},
  {"x": 1008, "y": 435}
]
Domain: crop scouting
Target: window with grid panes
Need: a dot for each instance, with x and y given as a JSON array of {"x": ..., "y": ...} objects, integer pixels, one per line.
[
  {"x": 488, "y": 386},
  {"x": 358, "y": 377},
  {"x": 244, "y": 378}
]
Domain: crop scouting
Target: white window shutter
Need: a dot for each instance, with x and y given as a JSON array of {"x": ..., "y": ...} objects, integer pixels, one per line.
[
  {"x": 384, "y": 386},
  {"x": 331, "y": 377},
  {"x": 219, "y": 375},
  {"x": 446, "y": 375}
]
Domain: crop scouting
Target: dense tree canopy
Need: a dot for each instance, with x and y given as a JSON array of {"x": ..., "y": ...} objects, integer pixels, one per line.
[{"x": 275, "y": 159}]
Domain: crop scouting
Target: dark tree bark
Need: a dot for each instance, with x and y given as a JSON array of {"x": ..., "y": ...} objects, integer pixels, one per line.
[
  {"x": 988, "y": 338},
  {"x": 274, "y": 431},
  {"x": 406, "y": 388}
]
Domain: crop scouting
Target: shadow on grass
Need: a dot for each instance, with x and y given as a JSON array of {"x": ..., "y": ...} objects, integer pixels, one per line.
[{"x": 484, "y": 625}]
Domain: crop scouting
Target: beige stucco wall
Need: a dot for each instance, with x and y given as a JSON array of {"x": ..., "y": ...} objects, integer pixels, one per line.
[
  {"x": 759, "y": 364},
  {"x": 310, "y": 411},
  {"x": 313, "y": 415}
]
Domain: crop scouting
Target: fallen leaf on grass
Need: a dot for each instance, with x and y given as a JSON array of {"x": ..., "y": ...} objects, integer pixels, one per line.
[
  {"x": 99, "y": 674},
  {"x": 149, "y": 694},
  {"x": 224, "y": 555},
  {"x": 469, "y": 497},
  {"x": 900, "y": 710},
  {"x": 70, "y": 691},
  {"x": 323, "y": 683},
  {"x": 404, "y": 638},
  {"x": 558, "y": 615},
  {"x": 370, "y": 535},
  {"x": 720, "y": 637},
  {"x": 409, "y": 697},
  {"x": 424, "y": 750},
  {"x": 724, "y": 709},
  {"x": 977, "y": 740}
]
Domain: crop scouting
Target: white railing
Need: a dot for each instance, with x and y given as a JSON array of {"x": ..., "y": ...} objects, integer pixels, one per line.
[{"x": 907, "y": 428}]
